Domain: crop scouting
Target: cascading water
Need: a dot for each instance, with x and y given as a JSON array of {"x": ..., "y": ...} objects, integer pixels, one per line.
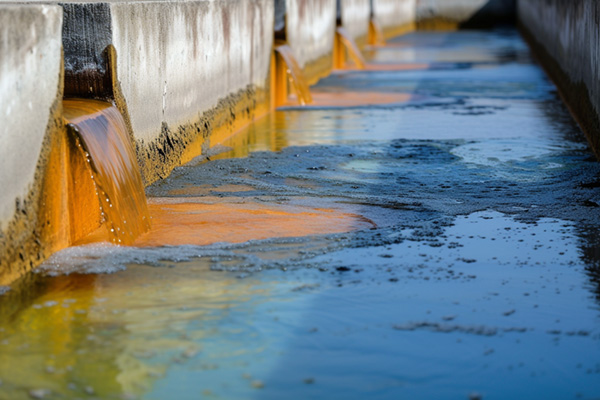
[
  {"x": 101, "y": 134},
  {"x": 294, "y": 72},
  {"x": 376, "y": 37},
  {"x": 350, "y": 45}
]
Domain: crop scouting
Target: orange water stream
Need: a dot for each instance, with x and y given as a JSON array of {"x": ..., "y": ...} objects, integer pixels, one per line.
[
  {"x": 102, "y": 136},
  {"x": 295, "y": 73}
]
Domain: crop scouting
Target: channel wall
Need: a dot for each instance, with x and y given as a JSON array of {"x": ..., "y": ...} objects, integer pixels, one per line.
[
  {"x": 30, "y": 124},
  {"x": 565, "y": 36},
  {"x": 187, "y": 74}
]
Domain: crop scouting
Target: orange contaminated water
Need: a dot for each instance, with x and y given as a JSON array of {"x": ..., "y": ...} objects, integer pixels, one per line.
[
  {"x": 351, "y": 47},
  {"x": 211, "y": 219},
  {"x": 206, "y": 220},
  {"x": 295, "y": 74},
  {"x": 101, "y": 134}
]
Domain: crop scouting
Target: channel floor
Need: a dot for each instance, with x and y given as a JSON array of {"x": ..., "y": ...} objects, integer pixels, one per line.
[{"x": 441, "y": 244}]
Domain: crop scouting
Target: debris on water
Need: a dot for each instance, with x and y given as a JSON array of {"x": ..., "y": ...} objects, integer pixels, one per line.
[
  {"x": 190, "y": 352},
  {"x": 445, "y": 328},
  {"x": 258, "y": 384},
  {"x": 475, "y": 396},
  {"x": 39, "y": 393}
]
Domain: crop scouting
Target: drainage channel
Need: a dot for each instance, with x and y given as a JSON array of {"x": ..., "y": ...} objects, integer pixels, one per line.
[{"x": 435, "y": 236}]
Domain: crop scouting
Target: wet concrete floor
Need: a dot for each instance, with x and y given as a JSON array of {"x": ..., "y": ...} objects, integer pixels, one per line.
[{"x": 443, "y": 246}]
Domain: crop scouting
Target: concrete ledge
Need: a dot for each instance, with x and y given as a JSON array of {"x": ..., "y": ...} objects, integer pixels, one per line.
[
  {"x": 310, "y": 29},
  {"x": 564, "y": 36},
  {"x": 395, "y": 17},
  {"x": 354, "y": 16},
  {"x": 454, "y": 14},
  {"x": 30, "y": 95}
]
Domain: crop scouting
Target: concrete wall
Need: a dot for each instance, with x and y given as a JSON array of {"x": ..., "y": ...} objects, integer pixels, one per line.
[
  {"x": 394, "y": 16},
  {"x": 464, "y": 13},
  {"x": 566, "y": 37},
  {"x": 180, "y": 70},
  {"x": 354, "y": 15},
  {"x": 30, "y": 94},
  {"x": 30, "y": 69},
  {"x": 310, "y": 30}
]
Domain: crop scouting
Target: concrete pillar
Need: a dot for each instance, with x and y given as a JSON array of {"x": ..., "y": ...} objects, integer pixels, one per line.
[
  {"x": 395, "y": 17},
  {"x": 310, "y": 30},
  {"x": 354, "y": 15}
]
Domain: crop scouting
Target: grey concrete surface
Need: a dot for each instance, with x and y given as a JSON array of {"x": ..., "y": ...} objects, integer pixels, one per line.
[
  {"x": 566, "y": 37},
  {"x": 177, "y": 60},
  {"x": 30, "y": 70},
  {"x": 310, "y": 30},
  {"x": 354, "y": 15},
  {"x": 394, "y": 14}
]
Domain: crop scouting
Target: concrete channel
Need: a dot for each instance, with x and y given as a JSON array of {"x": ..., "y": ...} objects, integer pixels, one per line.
[{"x": 427, "y": 227}]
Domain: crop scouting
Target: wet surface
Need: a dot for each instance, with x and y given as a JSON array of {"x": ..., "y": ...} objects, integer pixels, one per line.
[{"x": 464, "y": 263}]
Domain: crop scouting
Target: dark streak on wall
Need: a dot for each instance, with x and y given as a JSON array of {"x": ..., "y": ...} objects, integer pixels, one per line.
[{"x": 86, "y": 35}]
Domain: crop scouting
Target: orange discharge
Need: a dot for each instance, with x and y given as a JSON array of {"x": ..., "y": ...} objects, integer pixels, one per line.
[
  {"x": 351, "y": 47},
  {"x": 104, "y": 141},
  {"x": 196, "y": 221},
  {"x": 295, "y": 74},
  {"x": 376, "y": 37}
]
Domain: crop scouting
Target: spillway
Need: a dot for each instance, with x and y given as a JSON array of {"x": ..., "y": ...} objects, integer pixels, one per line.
[{"x": 101, "y": 135}]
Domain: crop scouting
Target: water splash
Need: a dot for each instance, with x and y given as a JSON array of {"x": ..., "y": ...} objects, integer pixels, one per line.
[
  {"x": 101, "y": 134},
  {"x": 351, "y": 46},
  {"x": 294, "y": 72}
]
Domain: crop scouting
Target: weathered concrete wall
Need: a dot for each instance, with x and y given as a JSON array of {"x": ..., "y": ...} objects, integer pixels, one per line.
[
  {"x": 30, "y": 94},
  {"x": 30, "y": 65},
  {"x": 310, "y": 30},
  {"x": 566, "y": 37},
  {"x": 394, "y": 16},
  {"x": 464, "y": 13},
  {"x": 354, "y": 15},
  {"x": 179, "y": 70}
]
